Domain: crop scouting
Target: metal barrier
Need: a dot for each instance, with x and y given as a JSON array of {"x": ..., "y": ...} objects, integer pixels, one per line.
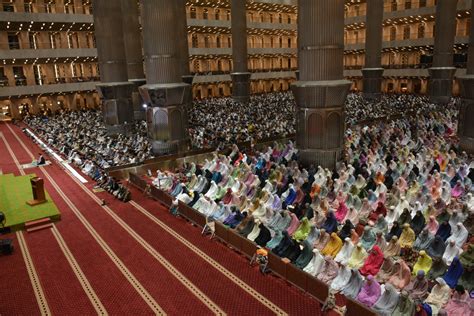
[{"x": 281, "y": 267}]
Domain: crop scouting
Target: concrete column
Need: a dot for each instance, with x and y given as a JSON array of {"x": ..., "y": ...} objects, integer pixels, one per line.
[
  {"x": 442, "y": 73},
  {"x": 466, "y": 111},
  {"x": 165, "y": 95},
  {"x": 373, "y": 70},
  {"x": 133, "y": 52},
  {"x": 71, "y": 102},
  {"x": 115, "y": 91},
  {"x": 182, "y": 43},
  {"x": 240, "y": 74},
  {"x": 321, "y": 89},
  {"x": 15, "y": 109}
]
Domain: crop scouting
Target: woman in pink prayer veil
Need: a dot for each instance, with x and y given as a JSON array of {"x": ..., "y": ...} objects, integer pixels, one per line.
[
  {"x": 401, "y": 274},
  {"x": 341, "y": 212},
  {"x": 432, "y": 225},
  {"x": 458, "y": 190},
  {"x": 370, "y": 292}
]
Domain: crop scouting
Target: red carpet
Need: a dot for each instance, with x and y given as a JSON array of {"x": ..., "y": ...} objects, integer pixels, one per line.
[{"x": 113, "y": 289}]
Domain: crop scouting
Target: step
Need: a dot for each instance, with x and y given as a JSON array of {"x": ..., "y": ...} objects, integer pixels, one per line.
[
  {"x": 36, "y": 228},
  {"x": 37, "y": 222}
]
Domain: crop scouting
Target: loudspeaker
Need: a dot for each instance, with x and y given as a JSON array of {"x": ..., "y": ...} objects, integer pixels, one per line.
[{"x": 6, "y": 246}]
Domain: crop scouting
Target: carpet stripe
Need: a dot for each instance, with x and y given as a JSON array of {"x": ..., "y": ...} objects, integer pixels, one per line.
[
  {"x": 94, "y": 299},
  {"x": 115, "y": 259},
  {"x": 178, "y": 275},
  {"x": 30, "y": 267},
  {"x": 212, "y": 262},
  {"x": 262, "y": 299},
  {"x": 10, "y": 151}
]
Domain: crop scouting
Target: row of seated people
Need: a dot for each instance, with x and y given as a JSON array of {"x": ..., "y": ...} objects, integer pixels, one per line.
[{"x": 401, "y": 206}]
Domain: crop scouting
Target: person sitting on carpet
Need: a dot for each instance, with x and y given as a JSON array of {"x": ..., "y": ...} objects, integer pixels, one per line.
[{"x": 41, "y": 161}]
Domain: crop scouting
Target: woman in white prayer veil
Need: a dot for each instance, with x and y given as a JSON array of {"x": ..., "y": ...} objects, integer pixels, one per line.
[
  {"x": 212, "y": 190},
  {"x": 316, "y": 264},
  {"x": 202, "y": 205},
  {"x": 459, "y": 235},
  {"x": 450, "y": 252},
  {"x": 403, "y": 204},
  {"x": 255, "y": 231},
  {"x": 469, "y": 201},
  {"x": 268, "y": 186},
  {"x": 387, "y": 302},
  {"x": 360, "y": 182},
  {"x": 354, "y": 285},
  {"x": 345, "y": 253},
  {"x": 342, "y": 279}
]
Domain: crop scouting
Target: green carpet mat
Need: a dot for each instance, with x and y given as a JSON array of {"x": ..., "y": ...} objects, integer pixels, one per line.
[{"x": 14, "y": 192}]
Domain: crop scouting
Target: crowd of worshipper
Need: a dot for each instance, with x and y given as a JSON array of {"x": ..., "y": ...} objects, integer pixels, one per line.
[
  {"x": 391, "y": 226},
  {"x": 221, "y": 122},
  {"x": 81, "y": 136},
  {"x": 359, "y": 109}
]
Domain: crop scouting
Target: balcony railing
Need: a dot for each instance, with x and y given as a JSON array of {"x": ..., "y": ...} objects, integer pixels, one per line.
[
  {"x": 42, "y": 45},
  {"x": 22, "y": 81},
  {"x": 45, "y": 8}
]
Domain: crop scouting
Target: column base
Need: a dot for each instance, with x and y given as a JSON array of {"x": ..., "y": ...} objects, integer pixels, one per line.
[
  {"x": 167, "y": 117},
  {"x": 241, "y": 86},
  {"x": 117, "y": 105},
  {"x": 323, "y": 158},
  {"x": 440, "y": 86},
  {"x": 320, "y": 120},
  {"x": 372, "y": 82},
  {"x": 466, "y": 114},
  {"x": 139, "y": 111}
]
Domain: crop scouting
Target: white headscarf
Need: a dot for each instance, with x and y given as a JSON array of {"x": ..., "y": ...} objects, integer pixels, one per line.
[
  {"x": 345, "y": 253},
  {"x": 316, "y": 264}
]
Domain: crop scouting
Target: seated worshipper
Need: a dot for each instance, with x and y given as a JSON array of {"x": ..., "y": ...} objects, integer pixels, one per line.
[
  {"x": 439, "y": 295},
  {"x": 459, "y": 235},
  {"x": 380, "y": 240},
  {"x": 316, "y": 263},
  {"x": 370, "y": 292},
  {"x": 405, "y": 305},
  {"x": 418, "y": 222},
  {"x": 345, "y": 253},
  {"x": 322, "y": 241},
  {"x": 396, "y": 231},
  {"x": 387, "y": 302},
  {"x": 330, "y": 225},
  {"x": 373, "y": 262},
  {"x": 386, "y": 270},
  {"x": 346, "y": 230},
  {"x": 40, "y": 161},
  {"x": 436, "y": 248},
  {"x": 423, "y": 263},
  {"x": 358, "y": 256},
  {"x": 407, "y": 238},
  {"x": 451, "y": 251},
  {"x": 444, "y": 230},
  {"x": 341, "y": 280},
  {"x": 328, "y": 271},
  {"x": 418, "y": 287},
  {"x": 354, "y": 285},
  {"x": 393, "y": 248},
  {"x": 368, "y": 238},
  {"x": 305, "y": 256},
  {"x": 460, "y": 303},
  {"x": 423, "y": 240},
  {"x": 438, "y": 269},
  {"x": 303, "y": 230},
  {"x": 333, "y": 246},
  {"x": 467, "y": 261},
  {"x": 401, "y": 274},
  {"x": 454, "y": 272}
]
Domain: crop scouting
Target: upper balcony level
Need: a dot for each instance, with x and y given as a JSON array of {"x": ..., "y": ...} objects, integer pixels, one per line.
[{"x": 72, "y": 7}]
